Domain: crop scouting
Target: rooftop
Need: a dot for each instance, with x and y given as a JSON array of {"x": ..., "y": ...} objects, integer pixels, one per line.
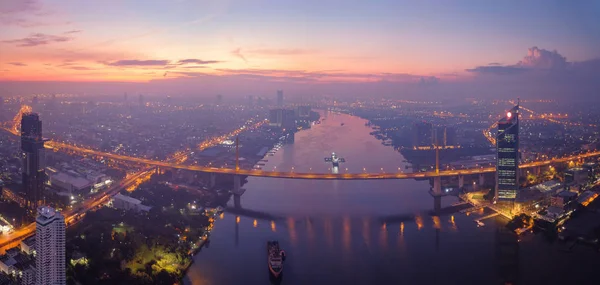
[{"x": 127, "y": 199}]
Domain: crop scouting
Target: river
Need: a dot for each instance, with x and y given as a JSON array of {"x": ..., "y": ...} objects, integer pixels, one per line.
[{"x": 334, "y": 232}]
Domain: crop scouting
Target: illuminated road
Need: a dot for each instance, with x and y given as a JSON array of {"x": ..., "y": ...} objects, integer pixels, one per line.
[
  {"x": 10, "y": 240},
  {"x": 175, "y": 163},
  {"x": 299, "y": 175}
]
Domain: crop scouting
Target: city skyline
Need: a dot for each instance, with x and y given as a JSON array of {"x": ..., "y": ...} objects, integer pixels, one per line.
[{"x": 388, "y": 48}]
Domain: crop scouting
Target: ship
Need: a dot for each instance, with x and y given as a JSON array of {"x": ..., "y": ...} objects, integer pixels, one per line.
[
  {"x": 276, "y": 256},
  {"x": 335, "y": 159}
]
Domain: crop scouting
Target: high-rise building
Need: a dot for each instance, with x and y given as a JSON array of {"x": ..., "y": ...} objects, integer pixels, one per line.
[
  {"x": 303, "y": 111},
  {"x": 276, "y": 117},
  {"x": 280, "y": 98},
  {"x": 219, "y": 99},
  {"x": 289, "y": 119},
  {"x": 422, "y": 134},
  {"x": 141, "y": 100},
  {"x": 283, "y": 118},
  {"x": 32, "y": 145},
  {"x": 50, "y": 247},
  {"x": 507, "y": 162}
]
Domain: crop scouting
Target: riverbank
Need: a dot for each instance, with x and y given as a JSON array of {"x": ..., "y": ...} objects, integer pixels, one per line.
[{"x": 143, "y": 246}]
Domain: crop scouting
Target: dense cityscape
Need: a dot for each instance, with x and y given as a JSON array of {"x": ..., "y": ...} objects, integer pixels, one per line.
[
  {"x": 80, "y": 197},
  {"x": 299, "y": 142}
]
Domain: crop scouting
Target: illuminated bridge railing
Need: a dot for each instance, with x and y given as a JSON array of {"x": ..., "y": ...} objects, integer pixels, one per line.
[{"x": 304, "y": 175}]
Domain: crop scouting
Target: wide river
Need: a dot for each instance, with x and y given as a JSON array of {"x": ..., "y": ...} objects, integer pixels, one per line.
[{"x": 335, "y": 232}]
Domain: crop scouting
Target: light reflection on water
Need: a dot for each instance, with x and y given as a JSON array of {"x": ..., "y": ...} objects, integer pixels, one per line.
[{"x": 336, "y": 232}]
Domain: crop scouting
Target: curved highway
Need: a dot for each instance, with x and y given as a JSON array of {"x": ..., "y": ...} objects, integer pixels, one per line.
[{"x": 304, "y": 175}]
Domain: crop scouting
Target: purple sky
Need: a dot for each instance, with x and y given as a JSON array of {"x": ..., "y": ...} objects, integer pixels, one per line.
[{"x": 537, "y": 49}]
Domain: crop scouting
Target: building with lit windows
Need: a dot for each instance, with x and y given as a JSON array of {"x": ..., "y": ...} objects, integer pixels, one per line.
[
  {"x": 507, "y": 165},
  {"x": 50, "y": 259},
  {"x": 32, "y": 145}
]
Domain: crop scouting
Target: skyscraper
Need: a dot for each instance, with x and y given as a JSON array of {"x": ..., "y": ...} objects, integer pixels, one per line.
[
  {"x": 507, "y": 163},
  {"x": 50, "y": 247},
  {"x": 32, "y": 145},
  {"x": 280, "y": 98},
  {"x": 422, "y": 134},
  {"x": 276, "y": 117},
  {"x": 219, "y": 99}
]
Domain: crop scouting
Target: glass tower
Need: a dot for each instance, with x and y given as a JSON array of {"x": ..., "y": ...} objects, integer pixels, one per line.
[
  {"x": 507, "y": 164},
  {"x": 32, "y": 145}
]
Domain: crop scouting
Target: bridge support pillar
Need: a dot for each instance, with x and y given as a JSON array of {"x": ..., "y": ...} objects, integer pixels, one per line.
[
  {"x": 437, "y": 204},
  {"x": 237, "y": 201},
  {"x": 237, "y": 183},
  {"x": 461, "y": 181},
  {"x": 237, "y": 191},
  {"x": 212, "y": 181},
  {"x": 436, "y": 192},
  {"x": 481, "y": 179},
  {"x": 437, "y": 186}
]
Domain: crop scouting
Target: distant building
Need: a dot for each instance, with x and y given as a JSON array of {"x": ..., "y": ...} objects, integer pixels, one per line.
[
  {"x": 444, "y": 136},
  {"x": 70, "y": 184},
  {"x": 276, "y": 117},
  {"x": 123, "y": 202},
  {"x": 507, "y": 165},
  {"x": 303, "y": 112},
  {"x": 50, "y": 247},
  {"x": 591, "y": 168},
  {"x": 289, "y": 119},
  {"x": 250, "y": 101},
  {"x": 219, "y": 100},
  {"x": 575, "y": 177},
  {"x": 422, "y": 134},
  {"x": 279, "y": 98},
  {"x": 141, "y": 100},
  {"x": 32, "y": 145}
]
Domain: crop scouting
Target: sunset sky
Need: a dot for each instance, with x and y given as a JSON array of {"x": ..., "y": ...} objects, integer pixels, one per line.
[{"x": 293, "y": 42}]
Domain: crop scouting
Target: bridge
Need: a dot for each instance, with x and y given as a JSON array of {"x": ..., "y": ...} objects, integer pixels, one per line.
[{"x": 176, "y": 163}]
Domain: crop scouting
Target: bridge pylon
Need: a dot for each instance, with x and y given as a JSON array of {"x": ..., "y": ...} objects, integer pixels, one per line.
[
  {"x": 237, "y": 153},
  {"x": 212, "y": 180},
  {"x": 237, "y": 191}
]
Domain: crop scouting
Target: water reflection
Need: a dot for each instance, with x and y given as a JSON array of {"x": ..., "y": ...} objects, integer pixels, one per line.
[
  {"x": 346, "y": 235},
  {"x": 291, "y": 225},
  {"x": 452, "y": 223},
  {"x": 436, "y": 222},
  {"x": 327, "y": 227},
  {"x": 419, "y": 222},
  {"x": 365, "y": 230},
  {"x": 328, "y": 231},
  {"x": 383, "y": 236}
]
